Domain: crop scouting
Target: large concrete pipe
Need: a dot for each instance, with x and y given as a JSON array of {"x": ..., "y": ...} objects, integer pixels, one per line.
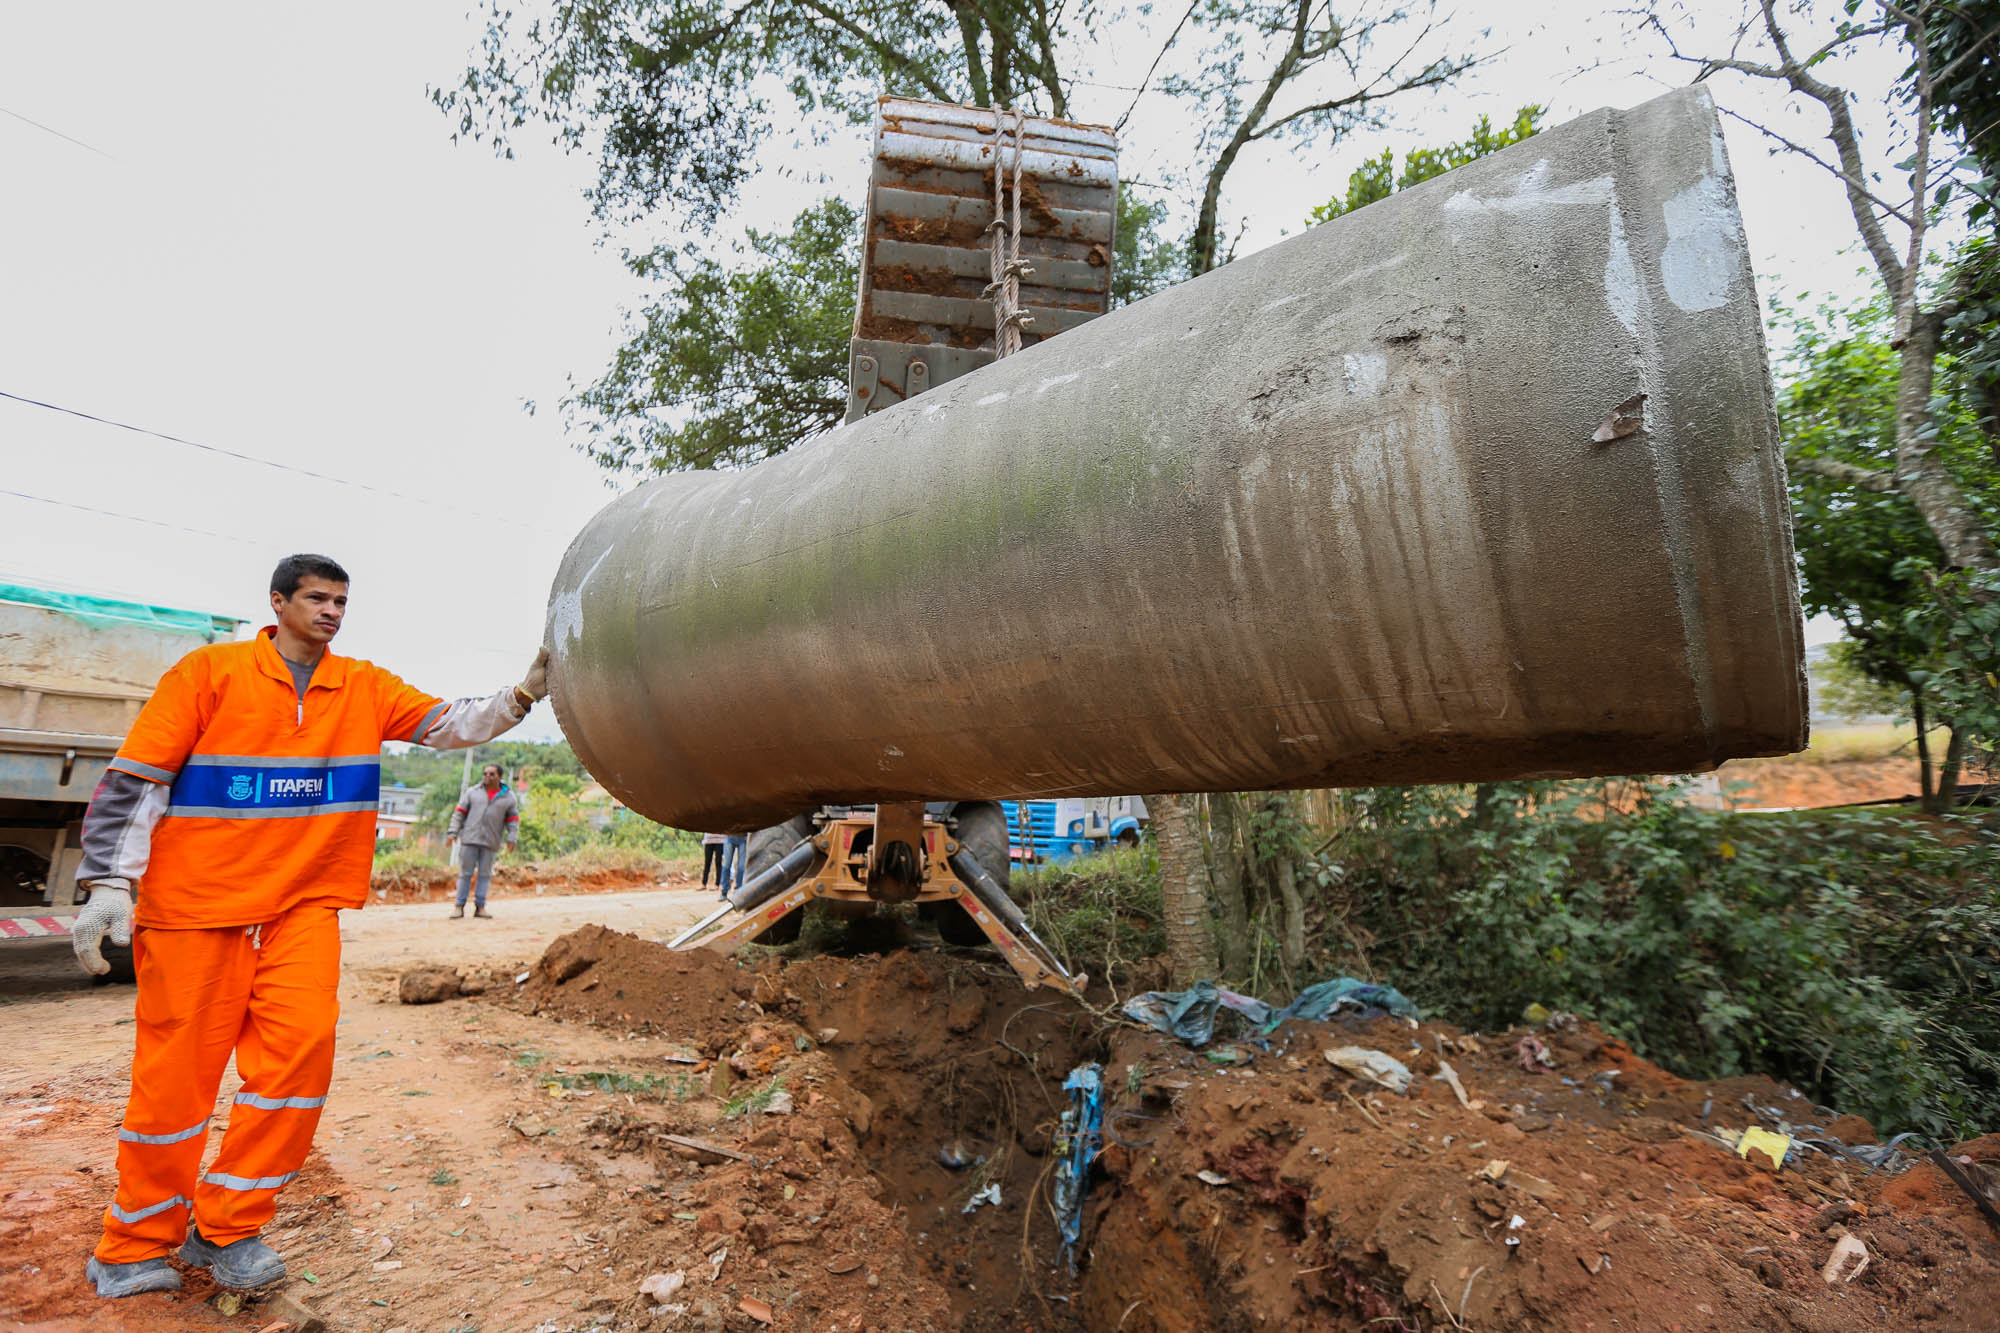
[{"x": 1479, "y": 482}]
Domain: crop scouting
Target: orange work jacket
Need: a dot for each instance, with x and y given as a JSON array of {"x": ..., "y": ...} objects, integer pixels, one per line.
[{"x": 272, "y": 799}]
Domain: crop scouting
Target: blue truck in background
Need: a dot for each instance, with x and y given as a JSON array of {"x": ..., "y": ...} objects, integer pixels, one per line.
[{"x": 1046, "y": 831}]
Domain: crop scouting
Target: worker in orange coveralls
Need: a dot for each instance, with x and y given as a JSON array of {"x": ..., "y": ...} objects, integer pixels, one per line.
[{"x": 242, "y": 807}]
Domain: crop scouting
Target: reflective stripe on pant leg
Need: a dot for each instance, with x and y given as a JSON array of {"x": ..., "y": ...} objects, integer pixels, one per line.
[
  {"x": 285, "y": 1054},
  {"x": 194, "y": 988}
]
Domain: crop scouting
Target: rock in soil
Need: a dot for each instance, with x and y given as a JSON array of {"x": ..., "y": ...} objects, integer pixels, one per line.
[{"x": 427, "y": 985}]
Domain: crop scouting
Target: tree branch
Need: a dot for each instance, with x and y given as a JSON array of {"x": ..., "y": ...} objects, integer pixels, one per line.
[
  {"x": 1891, "y": 209},
  {"x": 1201, "y": 257},
  {"x": 1846, "y": 143},
  {"x": 881, "y": 48},
  {"x": 1866, "y": 478},
  {"x": 1430, "y": 78},
  {"x": 1158, "y": 56}
]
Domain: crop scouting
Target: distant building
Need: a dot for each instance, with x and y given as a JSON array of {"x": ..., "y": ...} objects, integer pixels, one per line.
[
  {"x": 601, "y": 808},
  {"x": 397, "y": 810}
]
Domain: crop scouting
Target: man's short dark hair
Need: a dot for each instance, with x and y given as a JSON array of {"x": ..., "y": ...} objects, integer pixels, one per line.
[{"x": 285, "y": 578}]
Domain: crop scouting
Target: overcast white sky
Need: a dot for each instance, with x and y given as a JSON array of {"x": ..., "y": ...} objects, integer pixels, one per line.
[{"x": 244, "y": 224}]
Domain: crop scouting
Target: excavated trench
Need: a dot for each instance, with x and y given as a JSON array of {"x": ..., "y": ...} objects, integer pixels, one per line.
[
  {"x": 960, "y": 1076},
  {"x": 1270, "y": 1190}
]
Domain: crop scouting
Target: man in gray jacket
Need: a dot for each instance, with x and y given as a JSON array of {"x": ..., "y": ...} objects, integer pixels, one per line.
[{"x": 487, "y": 817}]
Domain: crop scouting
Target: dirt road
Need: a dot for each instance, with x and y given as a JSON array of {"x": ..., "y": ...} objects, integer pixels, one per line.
[{"x": 421, "y": 1097}]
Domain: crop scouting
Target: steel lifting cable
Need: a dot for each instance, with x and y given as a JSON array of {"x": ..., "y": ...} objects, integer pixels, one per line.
[{"x": 1006, "y": 267}]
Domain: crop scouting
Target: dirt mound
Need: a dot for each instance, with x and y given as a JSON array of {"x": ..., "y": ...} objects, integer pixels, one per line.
[
  {"x": 1558, "y": 1200},
  {"x": 839, "y": 1117},
  {"x": 616, "y": 980}
]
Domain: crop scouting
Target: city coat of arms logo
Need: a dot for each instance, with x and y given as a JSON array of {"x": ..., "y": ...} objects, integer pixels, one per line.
[{"x": 240, "y": 786}]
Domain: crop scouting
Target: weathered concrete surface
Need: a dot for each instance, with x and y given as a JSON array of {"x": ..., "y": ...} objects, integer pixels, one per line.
[{"x": 1333, "y": 514}]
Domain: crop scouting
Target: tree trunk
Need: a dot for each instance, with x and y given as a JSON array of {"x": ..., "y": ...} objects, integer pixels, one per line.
[
  {"x": 1183, "y": 890},
  {"x": 1225, "y": 865},
  {"x": 1923, "y": 745},
  {"x": 1292, "y": 948},
  {"x": 1202, "y": 245},
  {"x": 975, "y": 66},
  {"x": 1920, "y": 473},
  {"x": 1284, "y": 877},
  {"x": 1485, "y": 797},
  {"x": 1945, "y": 799}
]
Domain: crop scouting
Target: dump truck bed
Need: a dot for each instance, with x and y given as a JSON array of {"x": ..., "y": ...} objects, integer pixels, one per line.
[{"x": 927, "y": 255}]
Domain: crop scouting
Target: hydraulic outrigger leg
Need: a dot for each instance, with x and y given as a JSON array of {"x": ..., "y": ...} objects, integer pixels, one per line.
[{"x": 904, "y": 856}]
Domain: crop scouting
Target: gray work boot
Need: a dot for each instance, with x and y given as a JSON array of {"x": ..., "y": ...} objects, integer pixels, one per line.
[
  {"x": 115, "y": 1280},
  {"x": 242, "y": 1264},
  {"x": 458, "y": 911}
]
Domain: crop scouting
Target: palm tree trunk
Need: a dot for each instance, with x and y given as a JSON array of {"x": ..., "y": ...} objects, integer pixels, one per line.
[{"x": 1183, "y": 890}]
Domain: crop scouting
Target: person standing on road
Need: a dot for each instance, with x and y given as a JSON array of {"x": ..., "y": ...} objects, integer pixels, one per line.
[
  {"x": 241, "y": 807},
  {"x": 486, "y": 818},
  {"x": 735, "y": 851},
  {"x": 711, "y": 859}
]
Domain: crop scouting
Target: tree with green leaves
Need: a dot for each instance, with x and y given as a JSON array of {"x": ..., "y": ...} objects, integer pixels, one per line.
[
  {"x": 1808, "y": 50},
  {"x": 1298, "y": 70},
  {"x": 1866, "y": 555},
  {"x": 1378, "y": 178},
  {"x": 731, "y": 365},
  {"x": 674, "y": 97},
  {"x": 1843, "y": 689}
]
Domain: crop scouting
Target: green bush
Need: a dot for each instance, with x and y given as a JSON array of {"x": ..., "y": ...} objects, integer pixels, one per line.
[
  {"x": 1856, "y": 954},
  {"x": 1100, "y": 912}
]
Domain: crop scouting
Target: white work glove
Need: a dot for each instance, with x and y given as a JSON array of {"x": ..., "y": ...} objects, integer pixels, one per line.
[
  {"x": 109, "y": 911},
  {"x": 534, "y": 687}
]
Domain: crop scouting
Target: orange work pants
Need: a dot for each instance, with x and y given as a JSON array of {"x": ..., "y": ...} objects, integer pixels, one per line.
[{"x": 266, "y": 992}]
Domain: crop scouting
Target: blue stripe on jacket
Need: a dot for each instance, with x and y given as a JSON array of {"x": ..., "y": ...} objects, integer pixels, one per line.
[{"x": 276, "y": 789}]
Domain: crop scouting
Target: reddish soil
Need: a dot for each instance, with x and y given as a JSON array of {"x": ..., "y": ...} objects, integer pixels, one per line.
[
  {"x": 1339, "y": 1203},
  {"x": 433, "y": 884},
  {"x": 778, "y": 1134},
  {"x": 1763, "y": 785}
]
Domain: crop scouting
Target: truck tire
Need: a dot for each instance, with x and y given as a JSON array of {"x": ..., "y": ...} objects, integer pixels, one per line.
[
  {"x": 24, "y": 876},
  {"x": 768, "y": 847},
  {"x": 982, "y": 830}
]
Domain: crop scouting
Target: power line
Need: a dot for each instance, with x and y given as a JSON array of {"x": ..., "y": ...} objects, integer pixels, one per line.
[
  {"x": 46, "y": 129},
  {"x": 130, "y": 518},
  {"x": 425, "y": 502}
]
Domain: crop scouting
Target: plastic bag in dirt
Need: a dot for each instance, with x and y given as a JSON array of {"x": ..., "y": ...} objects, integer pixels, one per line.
[
  {"x": 1369, "y": 999},
  {"x": 1190, "y": 1014},
  {"x": 1374, "y": 1066}
]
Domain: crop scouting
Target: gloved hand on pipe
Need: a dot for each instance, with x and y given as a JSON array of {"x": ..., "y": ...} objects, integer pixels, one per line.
[
  {"x": 534, "y": 687},
  {"x": 109, "y": 911}
]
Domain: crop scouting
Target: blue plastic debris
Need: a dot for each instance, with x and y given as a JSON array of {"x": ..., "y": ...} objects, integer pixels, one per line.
[
  {"x": 1190, "y": 1014},
  {"x": 1079, "y": 1139},
  {"x": 1316, "y": 1003}
]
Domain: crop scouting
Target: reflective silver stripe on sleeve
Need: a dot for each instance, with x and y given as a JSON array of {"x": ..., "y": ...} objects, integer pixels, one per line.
[
  {"x": 133, "y": 1136},
  {"x": 429, "y": 720},
  {"x": 141, "y": 1214},
  {"x": 139, "y": 770},
  {"x": 276, "y": 761},
  {"x": 268, "y": 812},
  {"x": 278, "y": 1103},
  {"x": 245, "y": 1182}
]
